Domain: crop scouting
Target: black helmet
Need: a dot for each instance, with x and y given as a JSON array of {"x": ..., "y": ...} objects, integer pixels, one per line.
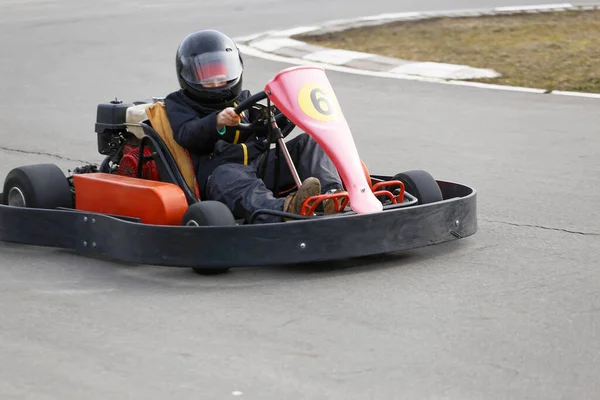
[{"x": 210, "y": 68}]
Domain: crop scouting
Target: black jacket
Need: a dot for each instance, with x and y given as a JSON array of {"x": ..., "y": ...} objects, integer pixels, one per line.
[{"x": 195, "y": 129}]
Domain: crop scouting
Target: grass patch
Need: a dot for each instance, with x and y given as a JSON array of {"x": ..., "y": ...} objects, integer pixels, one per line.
[{"x": 553, "y": 51}]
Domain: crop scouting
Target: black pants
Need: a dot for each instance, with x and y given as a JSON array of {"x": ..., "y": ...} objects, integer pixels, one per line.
[{"x": 241, "y": 189}]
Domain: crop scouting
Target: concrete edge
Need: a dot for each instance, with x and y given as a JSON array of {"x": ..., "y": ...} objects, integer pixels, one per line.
[{"x": 280, "y": 46}]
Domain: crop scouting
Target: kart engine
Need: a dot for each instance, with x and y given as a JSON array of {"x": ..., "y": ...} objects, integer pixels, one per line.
[
  {"x": 128, "y": 165},
  {"x": 110, "y": 126},
  {"x": 116, "y": 142}
]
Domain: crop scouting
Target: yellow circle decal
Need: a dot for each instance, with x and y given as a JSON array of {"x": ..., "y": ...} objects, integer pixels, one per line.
[{"x": 318, "y": 102}]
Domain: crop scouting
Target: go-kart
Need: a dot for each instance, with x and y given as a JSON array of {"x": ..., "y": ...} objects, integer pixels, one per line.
[{"x": 143, "y": 205}]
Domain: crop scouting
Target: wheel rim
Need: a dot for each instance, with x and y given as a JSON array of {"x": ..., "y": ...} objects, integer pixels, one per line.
[
  {"x": 192, "y": 223},
  {"x": 16, "y": 198}
]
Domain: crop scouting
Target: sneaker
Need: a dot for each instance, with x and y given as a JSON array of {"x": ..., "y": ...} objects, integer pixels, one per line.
[
  {"x": 310, "y": 187},
  {"x": 329, "y": 205}
]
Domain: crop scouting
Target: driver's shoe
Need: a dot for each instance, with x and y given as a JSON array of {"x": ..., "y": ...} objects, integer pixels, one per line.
[{"x": 293, "y": 203}]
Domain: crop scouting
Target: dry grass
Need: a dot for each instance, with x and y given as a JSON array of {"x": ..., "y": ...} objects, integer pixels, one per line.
[{"x": 554, "y": 51}]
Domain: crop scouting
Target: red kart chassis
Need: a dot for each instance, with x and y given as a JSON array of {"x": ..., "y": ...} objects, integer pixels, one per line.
[{"x": 382, "y": 220}]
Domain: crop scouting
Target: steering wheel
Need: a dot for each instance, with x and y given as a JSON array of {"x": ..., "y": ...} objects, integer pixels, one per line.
[{"x": 261, "y": 125}]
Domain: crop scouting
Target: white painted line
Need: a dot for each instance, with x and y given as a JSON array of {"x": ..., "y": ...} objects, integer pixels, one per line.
[
  {"x": 506, "y": 88},
  {"x": 254, "y": 36},
  {"x": 390, "y": 16},
  {"x": 295, "y": 31},
  {"x": 399, "y": 16},
  {"x": 276, "y": 43},
  {"x": 336, "y": 56},
  {"x": 534, "y": 7},
  {"x": 577, "y": 94},
  {"x": 444, "y": 71},
  {"x": 338, "y": 21}
]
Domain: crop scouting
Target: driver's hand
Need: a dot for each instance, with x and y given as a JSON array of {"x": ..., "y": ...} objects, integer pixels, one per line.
[{"x": 227, "y": 117}]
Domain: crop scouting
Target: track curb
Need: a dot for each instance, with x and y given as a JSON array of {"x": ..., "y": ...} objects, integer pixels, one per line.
[{"x": 281, "y": 46}]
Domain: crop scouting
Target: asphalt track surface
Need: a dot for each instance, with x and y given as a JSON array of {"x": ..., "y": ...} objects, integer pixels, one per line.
[{"x": 512, "y": 312}]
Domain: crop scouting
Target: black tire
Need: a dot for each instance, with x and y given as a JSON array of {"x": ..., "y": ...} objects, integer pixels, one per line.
[
  {"x": 421, "y": 185},
  {"x": 208, "y": 213},
  {"x": 37, "y": 186}
]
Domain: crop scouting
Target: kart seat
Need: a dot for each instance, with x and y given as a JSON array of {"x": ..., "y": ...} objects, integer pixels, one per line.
[{"x": 157, "y": 115}]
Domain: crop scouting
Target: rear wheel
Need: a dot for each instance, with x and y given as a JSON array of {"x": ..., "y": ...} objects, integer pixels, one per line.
[
  {"x": 37, "y": 186},
  {"x": 421, "y": 185},
  {"x": 208, "y": 213}
]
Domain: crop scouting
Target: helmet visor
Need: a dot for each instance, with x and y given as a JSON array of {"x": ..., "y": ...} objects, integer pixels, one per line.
[{"x": 211, "y": 68}]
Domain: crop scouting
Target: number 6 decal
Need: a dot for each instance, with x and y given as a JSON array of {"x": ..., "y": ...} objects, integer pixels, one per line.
[{"x": 318, "y": 103}]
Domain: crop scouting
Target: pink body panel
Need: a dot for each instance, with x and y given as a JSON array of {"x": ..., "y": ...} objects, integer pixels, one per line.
[{"x": 306, "y": 97}]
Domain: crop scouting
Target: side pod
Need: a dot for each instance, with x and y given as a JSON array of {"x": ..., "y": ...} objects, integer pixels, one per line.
[{"x": 153, "y": 202}]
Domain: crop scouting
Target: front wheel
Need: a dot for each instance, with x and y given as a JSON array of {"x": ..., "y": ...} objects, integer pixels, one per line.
[
  {"x": 208, "y": 213},
  {"x": 421, "y": 185}
]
